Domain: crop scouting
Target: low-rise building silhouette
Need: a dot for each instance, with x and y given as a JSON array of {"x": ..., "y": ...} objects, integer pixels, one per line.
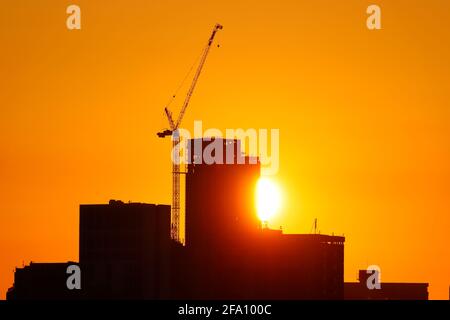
[
  {"x": 46, "y": 281},
  {"x": 124, "y": 250},
  {"x": 387, "y": 291}
]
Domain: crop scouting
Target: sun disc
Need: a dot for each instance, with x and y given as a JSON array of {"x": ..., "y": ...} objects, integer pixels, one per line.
[{"x": 268, "y": 198}]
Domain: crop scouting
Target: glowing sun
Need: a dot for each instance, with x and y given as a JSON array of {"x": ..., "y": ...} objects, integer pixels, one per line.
[{"x": 268, "y": 198}]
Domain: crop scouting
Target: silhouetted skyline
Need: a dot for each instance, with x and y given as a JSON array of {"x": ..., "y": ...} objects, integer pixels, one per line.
[
  {"x": 126, "y": 250},
  {"x": 363, "y": 118}
]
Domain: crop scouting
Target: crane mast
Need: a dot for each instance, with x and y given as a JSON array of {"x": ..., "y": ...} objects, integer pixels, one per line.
[{"x": 173, "y": 131}]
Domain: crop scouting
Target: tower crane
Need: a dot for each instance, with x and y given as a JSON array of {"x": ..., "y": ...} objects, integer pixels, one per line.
[{"x": 173, "y": 131}]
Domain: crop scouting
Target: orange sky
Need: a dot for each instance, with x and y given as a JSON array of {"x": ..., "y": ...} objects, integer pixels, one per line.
[{"x": 364, "y": 118}]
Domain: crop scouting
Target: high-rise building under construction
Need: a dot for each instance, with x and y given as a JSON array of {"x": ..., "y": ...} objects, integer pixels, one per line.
[
  {"x": 126, "y": 249},
  {"x": 228, "y": 254}
]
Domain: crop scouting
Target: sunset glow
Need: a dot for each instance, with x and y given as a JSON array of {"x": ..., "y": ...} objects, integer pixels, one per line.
[
  {"x": 363, "y": 118},
  {"x": 268, "y": 198}
]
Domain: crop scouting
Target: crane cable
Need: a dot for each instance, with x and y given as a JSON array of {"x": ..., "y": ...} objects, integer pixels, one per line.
[{"x": 169, "y": 102}]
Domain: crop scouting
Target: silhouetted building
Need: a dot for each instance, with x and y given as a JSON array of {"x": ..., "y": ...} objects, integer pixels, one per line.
[
  {"x": 124, "y": 250},
  {"x": 388, "y": 291},
  {"x": 300, "y": 266},
  {"x": 221, "y": 220},
  {"x": 46, "y": 281},
  {"x": 228, "y": 255},
  {"x": 220, "y": 196}
]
